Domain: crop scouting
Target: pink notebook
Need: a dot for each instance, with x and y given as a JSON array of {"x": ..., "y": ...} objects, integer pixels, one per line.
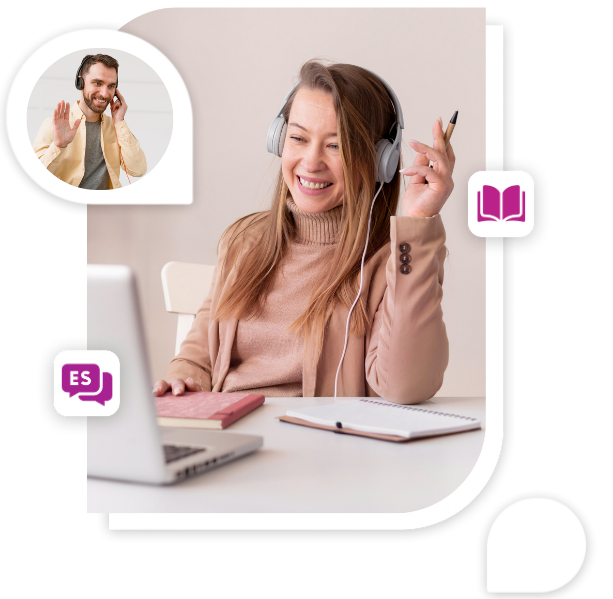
[{"x": 204, "y": 409}]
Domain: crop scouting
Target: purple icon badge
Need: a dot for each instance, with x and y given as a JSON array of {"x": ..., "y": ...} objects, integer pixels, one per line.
[
  {"x": 506, "y": 206},
  {"x": 85, "y": 378}
]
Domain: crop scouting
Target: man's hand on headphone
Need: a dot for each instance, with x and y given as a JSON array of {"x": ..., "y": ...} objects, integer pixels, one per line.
[
  {"x": 63, "y": 134},
  {"x": 118, "y": 109}
]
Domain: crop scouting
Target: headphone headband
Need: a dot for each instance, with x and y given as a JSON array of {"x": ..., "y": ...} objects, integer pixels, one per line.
[
  {"x": 79, "y": 82},
  {"x": 393, "y": 97},
  {"x": 388, "y": 152}
]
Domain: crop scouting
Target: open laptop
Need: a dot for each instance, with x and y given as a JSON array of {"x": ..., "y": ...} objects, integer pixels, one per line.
[{"x": 129, "y": 445}]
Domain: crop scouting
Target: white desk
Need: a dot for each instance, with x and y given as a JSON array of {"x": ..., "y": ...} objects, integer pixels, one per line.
[{"x": 301, "y": 469}]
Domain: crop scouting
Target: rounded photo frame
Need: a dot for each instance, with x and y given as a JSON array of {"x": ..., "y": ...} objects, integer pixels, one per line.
[{"x": 160, "y": 185}]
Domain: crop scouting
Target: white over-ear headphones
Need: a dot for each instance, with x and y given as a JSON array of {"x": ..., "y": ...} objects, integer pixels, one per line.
[{"x": 388, "y": 150}]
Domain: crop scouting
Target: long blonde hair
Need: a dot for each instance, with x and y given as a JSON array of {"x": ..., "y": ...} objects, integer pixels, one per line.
[{"x": 365, "y": 114}]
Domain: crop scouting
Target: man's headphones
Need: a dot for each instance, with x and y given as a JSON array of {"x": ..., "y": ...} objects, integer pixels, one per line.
[
  {"x": 79, "y": 82},
  {"x": 388, "y": 151}
]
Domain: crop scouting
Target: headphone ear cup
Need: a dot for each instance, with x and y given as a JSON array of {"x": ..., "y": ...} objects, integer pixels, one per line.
[
  {"x": 281, "y": 141},
  {"x": 392, "y": 164},
  {"x": 79, "y": 83},
  {"x": 276, "y": 136},
  {"x": 382, "y": 148},
  {"x": 387, "y": 160}
]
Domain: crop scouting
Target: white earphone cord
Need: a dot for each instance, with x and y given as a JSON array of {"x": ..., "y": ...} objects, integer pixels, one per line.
[{"x": 359, "y": 291}]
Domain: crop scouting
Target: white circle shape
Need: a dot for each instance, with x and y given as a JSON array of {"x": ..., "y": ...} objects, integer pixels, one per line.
[
  {"x": 161, "y": 185},
  {"x": 535, "y": 545}
]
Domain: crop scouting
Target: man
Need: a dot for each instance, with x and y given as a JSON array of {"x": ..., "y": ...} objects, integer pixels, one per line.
[{"x": 84, "y": 147}]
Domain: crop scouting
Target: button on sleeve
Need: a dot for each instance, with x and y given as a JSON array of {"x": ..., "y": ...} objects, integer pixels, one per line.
[{"x": 405, "y": 269}]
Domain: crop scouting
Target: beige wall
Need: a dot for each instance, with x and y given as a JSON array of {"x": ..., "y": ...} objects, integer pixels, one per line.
[{"x": 238, "y": 64}]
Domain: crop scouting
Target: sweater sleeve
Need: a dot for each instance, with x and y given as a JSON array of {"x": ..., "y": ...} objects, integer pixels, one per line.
[
  {"x": 194, "y": 357},
  {"x": 408, "y": 350}
]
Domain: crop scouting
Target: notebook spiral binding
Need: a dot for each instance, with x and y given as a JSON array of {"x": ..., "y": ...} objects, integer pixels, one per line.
[{"x": 395, "y": 405}]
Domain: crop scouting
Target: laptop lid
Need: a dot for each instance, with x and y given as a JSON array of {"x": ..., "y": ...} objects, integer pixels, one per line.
[{"x": 126, "y": 445}]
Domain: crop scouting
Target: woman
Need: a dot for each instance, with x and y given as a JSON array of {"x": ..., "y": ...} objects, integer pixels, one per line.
[{"x": 274, "y": 321}]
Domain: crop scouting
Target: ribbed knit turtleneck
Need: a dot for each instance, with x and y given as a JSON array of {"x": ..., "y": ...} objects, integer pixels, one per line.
[
  {"x": 267, "y": 358},
  {"x": 316, "y": 229}
]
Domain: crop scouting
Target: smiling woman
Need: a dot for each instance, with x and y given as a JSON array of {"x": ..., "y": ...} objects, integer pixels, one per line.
[
  {"x": 311, "y": 160},
  {"x": 275, "y": 318}
]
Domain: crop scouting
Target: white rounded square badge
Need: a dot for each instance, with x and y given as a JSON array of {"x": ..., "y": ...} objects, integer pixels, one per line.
[
  {"x": 86, "y": 383},
  {"x": 501, "y": 204}
]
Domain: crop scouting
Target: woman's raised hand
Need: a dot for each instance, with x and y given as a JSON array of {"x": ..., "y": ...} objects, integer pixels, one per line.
[
  {"x": 178, "y": 386},
  {"x": 421, "y": 199}
]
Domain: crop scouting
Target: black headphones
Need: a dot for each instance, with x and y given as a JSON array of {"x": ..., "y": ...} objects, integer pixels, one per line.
[{"x": 79, "y": 82}]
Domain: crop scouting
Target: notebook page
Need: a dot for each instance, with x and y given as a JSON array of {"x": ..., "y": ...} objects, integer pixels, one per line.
[{"x": 373, "y": 416}]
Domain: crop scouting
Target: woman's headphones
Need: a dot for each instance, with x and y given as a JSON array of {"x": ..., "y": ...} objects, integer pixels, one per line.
[{"x": 388, "y": 151}]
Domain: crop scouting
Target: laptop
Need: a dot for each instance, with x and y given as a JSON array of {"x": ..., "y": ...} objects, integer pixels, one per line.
[{"x": 129, "y": 445}]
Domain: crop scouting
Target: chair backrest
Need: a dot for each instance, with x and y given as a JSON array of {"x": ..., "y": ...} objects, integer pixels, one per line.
[{"x": 185, "y": 286}]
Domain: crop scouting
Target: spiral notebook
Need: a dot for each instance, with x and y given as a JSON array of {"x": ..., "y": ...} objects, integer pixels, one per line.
[{"x": 381, "y": 420}]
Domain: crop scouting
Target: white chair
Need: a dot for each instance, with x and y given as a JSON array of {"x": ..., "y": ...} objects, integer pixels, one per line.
[{"x": 185, "y": 287}]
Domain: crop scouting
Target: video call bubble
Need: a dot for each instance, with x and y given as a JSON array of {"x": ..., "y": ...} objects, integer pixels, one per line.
[
  {"x": 151, "y": 85},
  {"x": 80, "y": 378}
]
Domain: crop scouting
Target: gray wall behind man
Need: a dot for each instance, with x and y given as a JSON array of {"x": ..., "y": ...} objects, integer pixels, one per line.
[
  {"x": 238, "y": 64},
  {"x": 149, "y": 114}
]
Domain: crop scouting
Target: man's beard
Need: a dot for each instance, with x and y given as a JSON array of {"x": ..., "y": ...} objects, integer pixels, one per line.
[{"x": 94, "y": 107}]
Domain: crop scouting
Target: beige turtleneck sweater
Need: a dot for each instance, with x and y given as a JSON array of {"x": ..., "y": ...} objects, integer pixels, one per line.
[
  {"x": 266, "y": 357},
  {"x": 402, "y": 356}
]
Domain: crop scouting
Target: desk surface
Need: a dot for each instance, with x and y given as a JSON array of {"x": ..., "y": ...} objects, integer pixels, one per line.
[{"x": 301, "y": 469}]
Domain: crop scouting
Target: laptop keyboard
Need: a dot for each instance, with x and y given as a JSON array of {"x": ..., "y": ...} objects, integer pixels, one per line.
[{"x": 172, "y": 453}]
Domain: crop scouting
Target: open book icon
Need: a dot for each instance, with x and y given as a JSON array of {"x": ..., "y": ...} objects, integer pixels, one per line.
[{"x": 505, "y": 206}]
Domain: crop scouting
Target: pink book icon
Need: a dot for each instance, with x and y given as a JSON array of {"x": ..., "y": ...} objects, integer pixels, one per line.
[{"x": 505, "y": 206}]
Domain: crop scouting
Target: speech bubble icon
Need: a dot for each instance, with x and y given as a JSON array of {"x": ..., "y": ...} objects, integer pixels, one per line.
[
  {"x": 106, "y": 393},
  {"x": 80, "y": 378}
]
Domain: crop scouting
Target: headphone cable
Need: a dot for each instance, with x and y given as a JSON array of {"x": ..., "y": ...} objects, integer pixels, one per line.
[{"x": 359, "y": 292}]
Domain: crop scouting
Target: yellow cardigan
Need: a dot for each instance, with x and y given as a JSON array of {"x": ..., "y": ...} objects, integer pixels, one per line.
[{"x": 68, "y": 164}]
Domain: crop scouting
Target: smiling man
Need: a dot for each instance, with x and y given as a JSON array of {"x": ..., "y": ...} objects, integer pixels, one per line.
[{"x": 84, "y": 147}]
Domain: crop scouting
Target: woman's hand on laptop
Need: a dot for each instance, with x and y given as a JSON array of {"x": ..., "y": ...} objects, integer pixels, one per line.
[{"x": 178, "y": 386}]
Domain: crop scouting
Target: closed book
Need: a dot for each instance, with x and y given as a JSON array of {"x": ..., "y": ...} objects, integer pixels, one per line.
[{"x": 205, "y": 409}]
